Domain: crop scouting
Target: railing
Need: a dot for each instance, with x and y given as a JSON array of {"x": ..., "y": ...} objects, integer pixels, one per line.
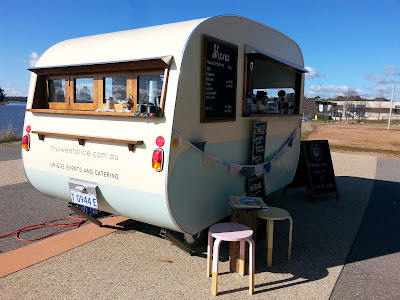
[{"x": 81, "y": 139}]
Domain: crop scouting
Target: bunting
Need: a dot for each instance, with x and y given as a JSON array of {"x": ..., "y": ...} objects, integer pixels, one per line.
[{"x": 210, "y": 161}]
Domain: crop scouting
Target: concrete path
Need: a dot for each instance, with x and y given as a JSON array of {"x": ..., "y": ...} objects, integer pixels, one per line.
[
  {"x": 372, "y": 269},
  {"x": 135, "y": 263}
]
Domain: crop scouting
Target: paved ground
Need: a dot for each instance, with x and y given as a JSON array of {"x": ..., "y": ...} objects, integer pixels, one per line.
[
  {"x": 136, "y": 263},
  {"x": 372, "y": 267},
  {"x": 20, "y": 204}
]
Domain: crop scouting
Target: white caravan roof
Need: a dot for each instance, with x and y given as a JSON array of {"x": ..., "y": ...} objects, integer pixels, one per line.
[{"x": 157, "y": 42}]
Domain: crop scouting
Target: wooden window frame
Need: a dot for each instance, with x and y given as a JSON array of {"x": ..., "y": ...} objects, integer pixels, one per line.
[
  {"x": 130, "y": 83},
  {"x": 98, "y": 73},
  {"x": 151, "y": 73},
  {"x": 57, "y": 105},
  {"x": 83, "y": 106}
]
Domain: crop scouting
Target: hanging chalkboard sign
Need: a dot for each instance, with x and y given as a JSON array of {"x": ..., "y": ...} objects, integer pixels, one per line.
[
  {"x": 259, "y": 137},
  {"x": 315, "y": 169},
  {"x": 255, "y": 187},
  {"x": 219, "y": 78}
]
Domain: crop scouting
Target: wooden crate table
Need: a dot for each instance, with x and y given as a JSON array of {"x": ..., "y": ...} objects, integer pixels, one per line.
[{"x": 246, "y": 217}]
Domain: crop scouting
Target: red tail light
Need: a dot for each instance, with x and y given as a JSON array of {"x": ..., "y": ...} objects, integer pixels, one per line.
[
  {"x": 26, "y": 142},
  {"x": 157, "y": 160}
]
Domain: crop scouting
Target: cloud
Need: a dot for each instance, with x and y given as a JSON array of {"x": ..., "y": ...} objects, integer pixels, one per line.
[
  {"x": 12, "y": 92},
  {"x": 34, "y": 57},
  {"x": 383, "y": 90},
  {"x": 392, "y": 71},
  {"x": 312, "y": 73},
  {"x": 380, "y": 80},
  {"x": 386, "y": 78},
  {"x": 326, "y": 91}
]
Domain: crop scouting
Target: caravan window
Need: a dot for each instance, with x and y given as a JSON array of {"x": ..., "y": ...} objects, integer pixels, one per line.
[
  {"x": 272, "y": 87},
  {"x": 150, "y": 88},
  {"x": 115, "y": 88},
  {"x": 87, "y": 88},
  {"x": 57, "y": 90},
  {"x": 83, "y": 90},
  {"x": 84, "y": 95}
]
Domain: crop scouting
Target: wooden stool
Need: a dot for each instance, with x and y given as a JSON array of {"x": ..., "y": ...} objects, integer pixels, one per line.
[
  {"x": 271, "y": 215},
  {"x": 230, "y": 232}
]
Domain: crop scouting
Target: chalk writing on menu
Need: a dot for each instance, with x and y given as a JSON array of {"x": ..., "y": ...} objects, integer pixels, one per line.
[
  {"x": 320, "y": 167},
  {"x": 315, "y": 169},
  {"x": 255, "y": 186},
  {"x": 220, "y": 72},
  {"x": 259, "y": 136}
]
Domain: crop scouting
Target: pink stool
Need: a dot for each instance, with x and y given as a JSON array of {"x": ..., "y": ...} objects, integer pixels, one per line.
[{"x": 230, "y": 232}]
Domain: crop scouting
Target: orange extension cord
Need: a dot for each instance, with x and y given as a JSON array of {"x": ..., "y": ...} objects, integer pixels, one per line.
[{"x": 49, "y": 223}]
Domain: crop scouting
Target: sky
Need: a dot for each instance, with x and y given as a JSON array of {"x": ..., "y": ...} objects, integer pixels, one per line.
[{"x": 346, "y": 44}]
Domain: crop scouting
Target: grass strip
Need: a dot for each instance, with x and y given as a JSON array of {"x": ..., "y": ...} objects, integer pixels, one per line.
[
  {"x": 305, "y": 133},
  {"x": 9, "y": 136},
  {"x": 360, "y": 149}
]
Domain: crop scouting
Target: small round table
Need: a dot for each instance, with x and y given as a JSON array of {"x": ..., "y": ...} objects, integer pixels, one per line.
[{"x": 271, "y": 215}]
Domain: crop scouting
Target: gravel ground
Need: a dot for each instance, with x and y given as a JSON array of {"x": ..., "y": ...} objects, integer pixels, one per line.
[
  {"x": 138, "y": 264},
  {"x": 374, "y": 140}
]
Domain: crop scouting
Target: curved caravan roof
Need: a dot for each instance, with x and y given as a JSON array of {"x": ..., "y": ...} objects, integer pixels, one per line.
[
  {"x": 162, "y": 42},
  {"x": 129, "y": 45}
]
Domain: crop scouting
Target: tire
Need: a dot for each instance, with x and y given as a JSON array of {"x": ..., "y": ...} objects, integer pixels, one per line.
[{"x": 196, "y": 240}]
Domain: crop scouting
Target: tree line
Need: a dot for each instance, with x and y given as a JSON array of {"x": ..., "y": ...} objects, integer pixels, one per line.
[{"x": 2, "y": 95}]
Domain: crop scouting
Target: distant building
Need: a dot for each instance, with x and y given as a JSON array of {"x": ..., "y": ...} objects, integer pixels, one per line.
[{"x": 368, "y": 109}]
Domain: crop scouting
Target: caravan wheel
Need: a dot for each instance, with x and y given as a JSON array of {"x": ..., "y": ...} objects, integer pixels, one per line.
[{"x": 197, "y": 240}]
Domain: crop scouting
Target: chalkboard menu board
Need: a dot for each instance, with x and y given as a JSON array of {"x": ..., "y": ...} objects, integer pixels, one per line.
[
  {"x": 319, "y": 166},
  {"x": 259, "y": 135},
  {"x": 219, "y": 77},
  {"x": 315, "y": 169}
]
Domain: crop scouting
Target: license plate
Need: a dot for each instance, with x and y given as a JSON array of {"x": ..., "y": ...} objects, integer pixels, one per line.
[{"x": 88, "y": 200}]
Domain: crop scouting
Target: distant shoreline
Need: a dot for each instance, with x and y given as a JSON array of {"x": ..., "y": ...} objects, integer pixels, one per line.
[{"x": 4, "y": 103}]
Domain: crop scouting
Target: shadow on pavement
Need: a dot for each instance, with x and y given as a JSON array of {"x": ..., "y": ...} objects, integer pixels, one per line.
[{"x": 323, "y": 233}]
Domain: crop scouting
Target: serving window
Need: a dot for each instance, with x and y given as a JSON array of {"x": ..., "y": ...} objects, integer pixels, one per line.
[
  {"x": 272, "y": 87},
  {"x": 91, "y": 89}
]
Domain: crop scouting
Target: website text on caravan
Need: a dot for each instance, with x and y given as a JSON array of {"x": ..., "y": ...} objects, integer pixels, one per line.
[{"x": 82, "y": 152}]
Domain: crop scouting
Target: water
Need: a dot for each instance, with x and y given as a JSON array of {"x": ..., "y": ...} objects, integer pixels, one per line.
[{"x": 12, "y": 115}]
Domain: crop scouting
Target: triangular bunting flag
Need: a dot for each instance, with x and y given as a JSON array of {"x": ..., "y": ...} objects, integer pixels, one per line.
[
  {"x": 235, "y": 169},
  {"x": 247, "y": 172},
  {"x": 267, "y": 167},
  {"x": 259, "y": 170},
  {"x": 209, "y": 162},
  {"x": 199, "y": 145}
]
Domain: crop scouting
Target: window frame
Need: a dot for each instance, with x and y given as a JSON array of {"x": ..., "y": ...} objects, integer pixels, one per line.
[
  {"x": 130, "y": 83},
  {"x": 250, "y": 59},
  {"x": 151, "y": 73},
  {"x": 130, "y": 70},
  {"x": 57, "y": 105},
  {"x": 83, "y": 106}
]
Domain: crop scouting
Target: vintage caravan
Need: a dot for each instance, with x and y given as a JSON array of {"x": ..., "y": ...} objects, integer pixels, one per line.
[{"x": 156, "y": 124}]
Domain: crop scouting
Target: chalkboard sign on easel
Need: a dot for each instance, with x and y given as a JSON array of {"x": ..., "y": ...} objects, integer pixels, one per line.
[
  {"x": 219, "y": 80},
  {"x": 315, "y": 169},
  {"x": 259, "y": 137}
]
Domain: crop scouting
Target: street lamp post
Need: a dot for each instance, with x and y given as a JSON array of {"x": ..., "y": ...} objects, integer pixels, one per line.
[{"x": 391, "y": 105}]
